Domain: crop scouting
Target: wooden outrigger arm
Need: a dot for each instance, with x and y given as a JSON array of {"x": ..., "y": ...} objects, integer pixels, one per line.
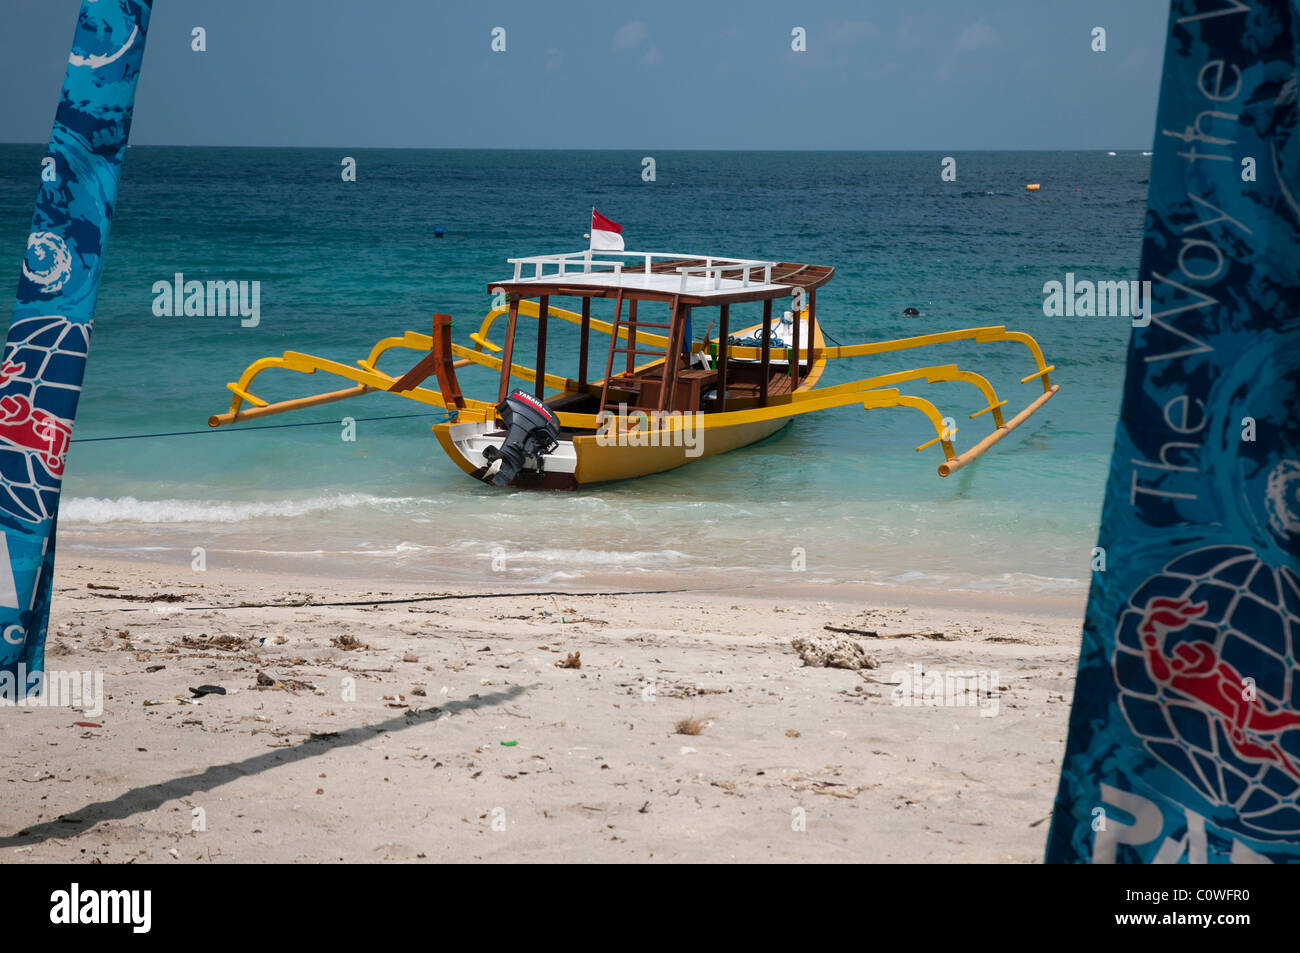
[
  {"x": 945, "y": 372},
  {"x": 443, "y": 356},
  {"x": 953, "y": 464},
  {"x": 368, "y": 378}
]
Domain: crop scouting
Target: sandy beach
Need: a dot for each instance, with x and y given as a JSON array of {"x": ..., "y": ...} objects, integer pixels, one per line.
[{"x": 371, "y": 721}]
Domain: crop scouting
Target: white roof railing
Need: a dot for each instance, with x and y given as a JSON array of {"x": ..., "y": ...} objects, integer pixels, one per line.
[{"x": 612, "y": 261}]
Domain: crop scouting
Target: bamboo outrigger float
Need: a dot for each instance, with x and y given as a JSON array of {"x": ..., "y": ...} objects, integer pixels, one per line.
[{"x": 691, "y": 399}]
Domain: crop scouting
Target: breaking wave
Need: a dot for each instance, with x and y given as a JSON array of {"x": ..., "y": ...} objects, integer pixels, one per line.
[{"x": 127, "y": 509}]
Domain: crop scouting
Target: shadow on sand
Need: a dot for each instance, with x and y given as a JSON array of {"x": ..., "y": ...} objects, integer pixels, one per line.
[{"x": 153, "y": 796}]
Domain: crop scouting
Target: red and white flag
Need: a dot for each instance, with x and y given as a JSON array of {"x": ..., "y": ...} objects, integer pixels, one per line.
[{"x": 606, "y": 234}]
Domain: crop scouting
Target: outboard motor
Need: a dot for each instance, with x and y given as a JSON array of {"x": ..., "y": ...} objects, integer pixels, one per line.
[{"x": 531, "y": 431}]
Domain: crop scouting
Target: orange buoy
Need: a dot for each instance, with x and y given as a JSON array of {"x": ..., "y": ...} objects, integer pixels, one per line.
[{"x": 1032, "y": 187}]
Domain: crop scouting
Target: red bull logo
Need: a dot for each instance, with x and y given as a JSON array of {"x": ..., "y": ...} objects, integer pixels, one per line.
[
  {"x": 42, "y": 434},
  {"x": 40, "y": 376}
]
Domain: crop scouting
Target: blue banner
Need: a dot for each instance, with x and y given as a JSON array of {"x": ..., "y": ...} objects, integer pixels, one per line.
[
  {"x": 45, "y": 353},
  {"x": 1184, "y": 740}
]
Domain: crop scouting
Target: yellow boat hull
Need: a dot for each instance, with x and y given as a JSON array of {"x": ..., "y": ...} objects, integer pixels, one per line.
[
  {"x": 624, "y": 456},
  {"x": 602, "y": 463}
]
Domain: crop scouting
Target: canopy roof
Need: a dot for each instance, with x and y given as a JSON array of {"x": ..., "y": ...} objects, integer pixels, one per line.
[{"x": 660, "y": 276}]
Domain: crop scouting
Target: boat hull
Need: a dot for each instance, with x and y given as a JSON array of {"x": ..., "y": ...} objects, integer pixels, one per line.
[
  {"x": 604, "y": 459},
  {"x": 603, "y": 463}
]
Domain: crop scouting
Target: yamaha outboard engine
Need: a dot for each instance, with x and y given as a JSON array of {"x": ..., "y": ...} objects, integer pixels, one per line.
[{"x": 531, "y": 431}]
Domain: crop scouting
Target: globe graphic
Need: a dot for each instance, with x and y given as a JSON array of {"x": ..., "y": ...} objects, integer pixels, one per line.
[
  {"x": 43, "y": 363},
  {"x": 1250, "y": 622}
]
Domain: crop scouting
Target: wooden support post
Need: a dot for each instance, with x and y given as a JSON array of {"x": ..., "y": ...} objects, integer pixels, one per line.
[
  {"x": 631, "y": 335},
  {"x": 507, "y": 356},
  {"x": 583, "y": 342},
  {"x": 766, "y": 362},
  {"x": 794, "y": 354},
  {"x": 438, "y": 361},
  {"x": 812, "y": 326},
  {"x": 723, "y": 330},
  {"x": 673, "y": 357},
  {"x": 543, "y": 313}
]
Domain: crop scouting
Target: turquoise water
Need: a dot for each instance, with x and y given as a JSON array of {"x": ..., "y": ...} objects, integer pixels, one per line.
[{"x": 344, "y": 264}]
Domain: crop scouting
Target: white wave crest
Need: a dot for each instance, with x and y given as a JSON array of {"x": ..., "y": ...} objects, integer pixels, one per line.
[{"x": 127, "y": 509}]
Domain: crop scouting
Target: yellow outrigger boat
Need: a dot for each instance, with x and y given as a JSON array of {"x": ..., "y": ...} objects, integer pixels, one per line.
[{"x": 692, "y": 399}]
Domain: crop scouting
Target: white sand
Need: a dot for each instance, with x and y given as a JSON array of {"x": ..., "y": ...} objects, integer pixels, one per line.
[{"x": 597, "y": 772}]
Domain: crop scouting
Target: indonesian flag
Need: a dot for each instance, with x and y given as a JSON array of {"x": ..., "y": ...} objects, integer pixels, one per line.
[{"x": 606, "y": 234}]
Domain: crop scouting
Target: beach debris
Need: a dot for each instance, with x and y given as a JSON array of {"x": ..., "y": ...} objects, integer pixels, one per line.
[
  {"x": 410, "y": 657},
  {"x": 871, "y": 633},
  {"x": 792, "y": 733},
  {"x": 348, "y": 643},
  {"x": 509, "y": 744},
  {"x": 155, "y": 668},
  {"x": 152, "y": 597},
  {"x": 832, "y": 652},
  {"x": 828, "y": 787},
  {"x": 207, "y": 690},
  {"x": 692, "y": 726},
  {"x": 291, "y": 685},
  {"x": 228, "y": 643},
  {"x": 572, "y": 660},
  {"x": 91, "y": 585},
  {"x": 88, "y": 724}
]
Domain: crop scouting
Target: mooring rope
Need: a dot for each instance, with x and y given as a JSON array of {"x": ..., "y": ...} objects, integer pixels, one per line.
[{"x": 189, "y": 433}]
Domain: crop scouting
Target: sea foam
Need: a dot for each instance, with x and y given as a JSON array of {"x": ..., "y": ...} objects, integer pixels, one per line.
[{"x": 127, "y": 509}]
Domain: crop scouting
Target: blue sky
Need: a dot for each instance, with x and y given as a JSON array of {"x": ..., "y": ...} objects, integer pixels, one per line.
[{"x": 915, "y": 74}]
